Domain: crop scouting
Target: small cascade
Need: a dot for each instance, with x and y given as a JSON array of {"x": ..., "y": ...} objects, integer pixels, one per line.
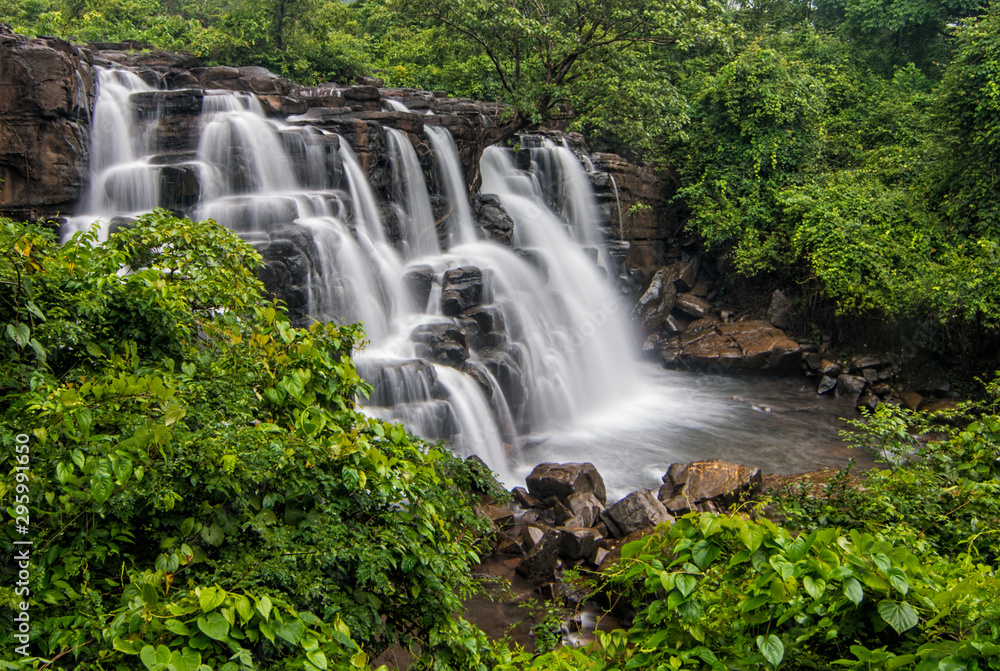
[
  {"x": 461, "y": 229},
  {"x": 476, "y": 344},
  {"x": 122, "y": 182},
  {"x": 243, "y": 146},
  {"x": 412, "y": 204}
]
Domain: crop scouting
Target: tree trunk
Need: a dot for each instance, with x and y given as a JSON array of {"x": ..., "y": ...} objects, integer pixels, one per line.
[{"x": 488, "y": 137}]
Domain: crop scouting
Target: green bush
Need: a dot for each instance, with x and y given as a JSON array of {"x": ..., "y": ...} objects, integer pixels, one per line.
[{"x": 204, "y": 492}]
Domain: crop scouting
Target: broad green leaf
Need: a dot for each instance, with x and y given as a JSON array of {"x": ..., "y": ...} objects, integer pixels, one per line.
[
  {"x": 898, "y": 579},
  {"x": 815, "y": 588},
  {"x": 148, "y": 656},
  {"x": 853, "y": 590},
  {"x": 174, "y": 413},
  {"x": 128, "y": 647},
  {"x": 244, "y": 608},
  {"x": 214, "y": 626},
  {"x": 318, "y": 658},
  {"x": 177, "y": 627},
  {"x": 210, "y": 598},
  {"x": 291, "y": 631},
  {"x": 752, "y": 536},
  {"x": 772, "y": 648},
  {"x": 899, "y": 616},
  {"x": 102, "y": 482},
  {"x": 686, "y": 584},
  {"x": 264, "y": 607}
]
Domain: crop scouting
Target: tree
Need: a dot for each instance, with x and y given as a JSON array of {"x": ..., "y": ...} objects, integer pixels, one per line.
[{"x": 550, "y": 55}]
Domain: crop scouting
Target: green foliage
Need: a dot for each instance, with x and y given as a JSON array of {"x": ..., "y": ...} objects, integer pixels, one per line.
[
  {"x": 757, "y": 126},
  {"x": 943, "y": 493},
  {"x": 204, "y": 491},
  {"x": 603, "y": 59},
  {"x": 969, "y": 111},
  {"x": 720, "y": 592}
]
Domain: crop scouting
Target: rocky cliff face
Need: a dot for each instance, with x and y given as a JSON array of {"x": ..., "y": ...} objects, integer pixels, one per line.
[{"x": 46, "y": 90}]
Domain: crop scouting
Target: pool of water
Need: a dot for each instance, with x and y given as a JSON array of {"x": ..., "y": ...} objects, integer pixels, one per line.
[{"x": 778, "y": 424}]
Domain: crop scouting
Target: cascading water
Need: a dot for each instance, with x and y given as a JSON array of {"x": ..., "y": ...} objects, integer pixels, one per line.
[
  {"x": 484, "y": 346},
  {"x": 121, "y": 179},
  {"x": 461, "y": 228}
]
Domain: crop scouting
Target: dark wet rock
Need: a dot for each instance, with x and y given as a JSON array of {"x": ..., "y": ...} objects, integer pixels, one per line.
[
  {"x": 638, "y": 511},
  {"x": 779, "y": 312},
  {"x": 525, "y": 499},
  {"x": 684, "y": 275},
  {"x": 870, "y": 401},
  {"x": 540, "y": 563},
  {"x": 507, "y": 372},
  {"x": 442, "y": 343},
  {"x": 501, "y": 516},
  {"x": 826, "y": 385},
  {"x": 693, "y": 306},
  {"x": 45, "y": 88},
  {"x": 674, "y": 324},
  {"x": 690, "y": 486},
  {"x": 597, "y": 559},
  {"x": 850, "y": 386},
  {"x": 911, "y": 399},
  {"x": 585, "y": 507},
  {"x": 656, "y": 302},
  {"x": 180, "y": 187},
  {"x": 394, "y": 382},
  {"x": 563, "y": 480},
  {"x": 577, "y": 542},
  {"x": 462, "y": 289},
  {"x": 764, "y": 347},
  {"x": 492, "y": 219},
  {"x": 532, "y": 534}
]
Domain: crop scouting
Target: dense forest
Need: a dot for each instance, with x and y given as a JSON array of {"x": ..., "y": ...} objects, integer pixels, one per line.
[{"x": 202, "y": 491}]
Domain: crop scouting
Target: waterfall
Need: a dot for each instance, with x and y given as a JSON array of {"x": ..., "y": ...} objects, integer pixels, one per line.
[
  {"x": 476, "y": 344},
  {"x": 461, "y": 228},
  {"x": 413, "y": 204},
  {"x": 122, "y": 182}
]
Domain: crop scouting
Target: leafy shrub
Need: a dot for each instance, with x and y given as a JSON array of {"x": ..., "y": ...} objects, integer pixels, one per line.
[{"x": 204, "y": 492}]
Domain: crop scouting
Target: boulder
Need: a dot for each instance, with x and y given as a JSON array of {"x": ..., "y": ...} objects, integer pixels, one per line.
[
  {"x": 689, "y": 486},
  {"x": 525, "y": 499},
  {"x": 45, "y": 88},
  {"x": 826, "y": 385},
  {"x": 764, "y": 347},
  {"x": 779, "y": 312},
  {"x": 577, "y": 542},
  {"x": 462, "y": 289},
  {"x": 656, "y": 302},
  {"x": 911, "y": 399},
  {"x": 492, "y": 219},
  {"x": 442, "y": 343},
  {"x": 585, "y": 507},
  {"x": 564, "y": 480},
  {"x": 684, "y": 275},
  {"x": 640, "y": 510},
  {"x": 693, "y": 306},
  {"x": 851, "y": 386},
  {"x": 501, "y": 516},
  {"x": 541, "y": 562}
]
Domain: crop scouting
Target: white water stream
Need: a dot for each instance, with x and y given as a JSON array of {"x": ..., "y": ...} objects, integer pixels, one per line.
[{"x": 552, "y": 375}]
